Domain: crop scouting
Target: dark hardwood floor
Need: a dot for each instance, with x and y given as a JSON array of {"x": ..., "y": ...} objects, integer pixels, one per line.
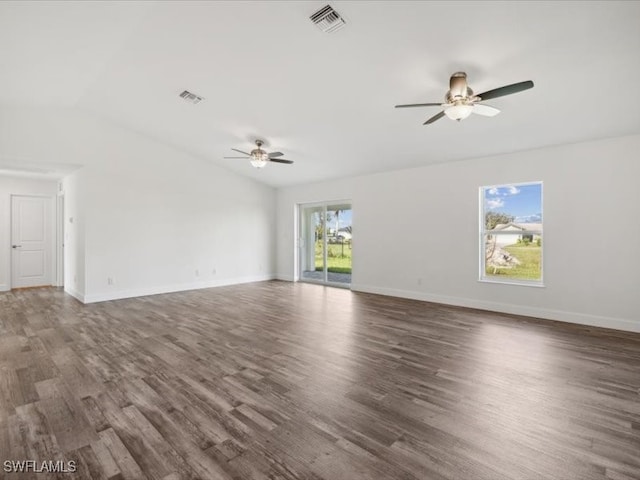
[{"x": 279, "y": 380}]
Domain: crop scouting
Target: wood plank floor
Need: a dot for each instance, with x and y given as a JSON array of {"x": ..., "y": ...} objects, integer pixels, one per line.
[{"x": 278, "y": 380}]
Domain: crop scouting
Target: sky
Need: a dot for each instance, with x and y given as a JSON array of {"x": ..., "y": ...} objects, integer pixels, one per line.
[
  {"x": 345, "y": 219},
  {"x": 523, "y": 201}
]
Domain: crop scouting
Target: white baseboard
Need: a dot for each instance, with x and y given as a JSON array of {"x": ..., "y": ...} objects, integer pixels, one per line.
[
  {"x": 7, "y": 288},
  {"x": 285, "y": 277},
  {"x": 559, "y": 315},
  {"x": 75, "y": 294},
  {"x": 157, "y": 290}
]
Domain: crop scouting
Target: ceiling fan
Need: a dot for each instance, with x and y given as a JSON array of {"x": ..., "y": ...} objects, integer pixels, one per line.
[
  {"x": 259, "y": 158},
  {"x": 460, "y": 101}
]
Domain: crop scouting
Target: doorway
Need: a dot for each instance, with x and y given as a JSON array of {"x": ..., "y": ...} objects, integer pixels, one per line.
[
  {"x": 326, "y": 243},
  {"x": 32, "y": 262}
]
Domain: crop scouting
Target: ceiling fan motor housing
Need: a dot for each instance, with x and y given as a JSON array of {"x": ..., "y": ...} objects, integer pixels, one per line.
[{"x": 458, "y": 88}]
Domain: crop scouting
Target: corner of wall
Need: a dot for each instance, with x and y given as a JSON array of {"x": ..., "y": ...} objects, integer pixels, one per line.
[
  {"x": 285, "y": 277},
  {"x": 75, "y": 294}
]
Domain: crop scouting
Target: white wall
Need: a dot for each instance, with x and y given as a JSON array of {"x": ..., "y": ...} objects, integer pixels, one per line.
[
  {"x": 144, "y": 214},
  {"x": 165, "y": 225},
  {"x": 74, "y": 236},
  {"x": 18, "y": 186},
  {"x": 591, "y": 212}
]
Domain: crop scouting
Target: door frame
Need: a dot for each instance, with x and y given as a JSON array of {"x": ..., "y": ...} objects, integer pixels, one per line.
[
  {"x": 300, "y": 241},
  {"x": 53, "y": 222},
  {"x": 59, "y": 240}
]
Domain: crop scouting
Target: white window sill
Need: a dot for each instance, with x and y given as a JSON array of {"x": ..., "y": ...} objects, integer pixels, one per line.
[{"x": 520, "y": 283}]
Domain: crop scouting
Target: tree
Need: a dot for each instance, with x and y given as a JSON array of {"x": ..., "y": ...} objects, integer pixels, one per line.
[
  {"x": 320, "y": 224},
  {"x": 491, "y": 219},
  {"x": 335, "y": 214}
]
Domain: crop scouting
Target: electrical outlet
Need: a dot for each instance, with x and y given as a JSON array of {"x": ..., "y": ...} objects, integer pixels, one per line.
[
  {"x": 213, "y": 271},
  {"x": 419, "y": 281},
  {"x": 110, "y": 281},
  {"x": 197, "y": 272}
]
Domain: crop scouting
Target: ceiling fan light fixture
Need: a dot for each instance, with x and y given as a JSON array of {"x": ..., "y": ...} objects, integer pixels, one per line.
[
  {"x": 259, "y": 158},
  {"x": 259, "y": 163},
  {"x": 458, "y": 112}
]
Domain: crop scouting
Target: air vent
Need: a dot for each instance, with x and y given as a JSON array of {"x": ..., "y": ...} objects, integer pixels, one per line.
[
  {"x": 187, "y": 96},
  {"x": 328, "y": 20}
]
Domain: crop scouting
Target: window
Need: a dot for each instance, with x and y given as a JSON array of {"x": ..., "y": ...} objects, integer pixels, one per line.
[{"x": 511, "y": 233}]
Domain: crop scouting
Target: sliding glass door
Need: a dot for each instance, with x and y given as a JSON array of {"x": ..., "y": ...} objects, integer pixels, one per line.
[{"x": 326, "y": 243}]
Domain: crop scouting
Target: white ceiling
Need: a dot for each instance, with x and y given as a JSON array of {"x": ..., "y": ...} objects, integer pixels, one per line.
[{"x": 326, "y": 100}]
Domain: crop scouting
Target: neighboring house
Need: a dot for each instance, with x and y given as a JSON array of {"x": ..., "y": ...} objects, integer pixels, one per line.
[
  {"x": 344, "y": 233},
  {"x": 504, "y": 240}
]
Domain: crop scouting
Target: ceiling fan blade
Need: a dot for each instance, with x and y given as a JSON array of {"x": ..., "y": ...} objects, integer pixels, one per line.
[
  {"x": 240, "y": 151},
  {"x": 437, "y": 116},
  {"x": 281, "y": 160},
  {"x": 243, "y": 158},
  {"x": 275, "y": 154},
  {"x": 419, "y": 105},
  {"x": 506, "y": 90},
  {"x": 485, "y": 110}
]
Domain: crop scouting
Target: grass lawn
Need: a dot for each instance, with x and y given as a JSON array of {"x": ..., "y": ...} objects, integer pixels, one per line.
[
  {"x": 338, "y": 258},
  {"x": 529, "y": 268}
]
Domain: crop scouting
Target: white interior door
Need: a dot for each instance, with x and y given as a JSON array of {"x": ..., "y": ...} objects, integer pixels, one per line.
[{"x": 31, "y": 243}]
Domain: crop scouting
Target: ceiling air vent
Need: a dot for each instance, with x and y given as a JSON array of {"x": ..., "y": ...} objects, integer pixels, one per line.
[
  {"x": 327, "y": 19},
  {"x": 187, "y": 96}
]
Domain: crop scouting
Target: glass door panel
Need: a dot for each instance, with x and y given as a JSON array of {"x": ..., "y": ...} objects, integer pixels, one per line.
[
  {"x": 312, "y": 243},
  {"x": 339, "y": 243}
]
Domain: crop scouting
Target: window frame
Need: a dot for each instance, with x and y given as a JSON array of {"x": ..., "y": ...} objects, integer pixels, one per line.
[{"x": 482, "y": 275}]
